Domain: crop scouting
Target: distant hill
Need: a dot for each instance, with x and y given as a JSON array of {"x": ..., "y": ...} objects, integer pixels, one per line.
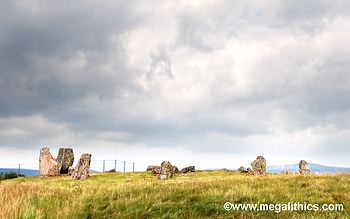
[
  {"x": 315, "y": 168},
  {"x": 26, "y": 172}
]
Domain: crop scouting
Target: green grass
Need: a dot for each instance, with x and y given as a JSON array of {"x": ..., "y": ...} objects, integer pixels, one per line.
[{"x": 194, "y": 195}]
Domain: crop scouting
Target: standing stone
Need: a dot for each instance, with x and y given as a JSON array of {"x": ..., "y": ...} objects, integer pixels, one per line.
[
  {"x": 188, "y": 169},
  {"x": 304, "y": 167},
  {"x": 81, "y": 171},
  {"x": 70, "y": 170},
  {"x": 48, "y": 166},
  {"x": 66, "y": 157},
  {"x": 259, "y": 166},
  {"x": 166, "y": 170}
]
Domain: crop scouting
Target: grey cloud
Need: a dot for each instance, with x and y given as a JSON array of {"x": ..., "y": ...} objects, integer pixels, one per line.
[
  {"x": 191, "y": 32},
  {"x": 41, "y": 51},
  {"x": 235, "y": 75},
  {"x": 160, "y": 66}
]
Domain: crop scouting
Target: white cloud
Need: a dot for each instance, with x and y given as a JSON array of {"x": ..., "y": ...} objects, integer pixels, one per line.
[{"x": 234, "y": 79}]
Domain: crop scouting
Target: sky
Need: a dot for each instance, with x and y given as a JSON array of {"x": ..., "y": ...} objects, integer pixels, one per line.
[{"x": 206, "y": 83}]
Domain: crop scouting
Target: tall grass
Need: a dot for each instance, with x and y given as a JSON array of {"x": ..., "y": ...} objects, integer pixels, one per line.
[{"x": 193, "y": 195}]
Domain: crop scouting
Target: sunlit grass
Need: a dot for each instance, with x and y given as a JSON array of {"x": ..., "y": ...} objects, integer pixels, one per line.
[{"x": 194, "y": 195}]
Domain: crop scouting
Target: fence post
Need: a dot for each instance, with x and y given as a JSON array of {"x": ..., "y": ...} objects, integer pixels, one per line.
[
  {"x": 103, "y": 166},
  {"x": 124, "y": 166},
  {"x": 133, "y": 167},
  {"x": 115, "y": 165},
  {"x": 19, "y": 168}
]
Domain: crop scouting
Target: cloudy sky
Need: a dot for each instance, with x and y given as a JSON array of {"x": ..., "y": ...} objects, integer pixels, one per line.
[{"x": 205, "y": 83}]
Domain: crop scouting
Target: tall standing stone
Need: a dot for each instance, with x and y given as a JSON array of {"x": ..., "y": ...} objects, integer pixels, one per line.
[
  {"x": 66, "y": 157},
  {"x": 259, "y": 166},
  {"x": 304, "y": 167},
  {"x": 166, "y": 170},
  {"x": 81, "y": 171},
  {"x": 48, "y": 166}
]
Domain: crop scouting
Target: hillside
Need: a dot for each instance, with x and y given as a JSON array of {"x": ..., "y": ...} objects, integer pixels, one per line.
[
  {"x": 26, "y": 172},
  {"x": 195, "y": 195},
  {"x": 315, "y": 168}
]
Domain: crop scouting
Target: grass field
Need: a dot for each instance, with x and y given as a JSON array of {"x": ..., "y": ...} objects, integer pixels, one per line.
[{"x": 194, "y": 195}]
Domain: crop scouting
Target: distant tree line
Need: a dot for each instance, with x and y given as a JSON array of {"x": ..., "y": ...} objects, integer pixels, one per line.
[{"x": 10, "y": 175}]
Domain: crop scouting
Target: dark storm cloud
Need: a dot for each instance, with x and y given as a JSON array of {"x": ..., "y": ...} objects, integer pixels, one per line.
[{"x": 58, "y": 52}]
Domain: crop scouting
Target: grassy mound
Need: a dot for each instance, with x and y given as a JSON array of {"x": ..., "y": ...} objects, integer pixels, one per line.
[{"x": 194, "y": 195}]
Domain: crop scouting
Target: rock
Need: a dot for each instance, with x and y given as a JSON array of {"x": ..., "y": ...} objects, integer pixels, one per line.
[
  {"x": 48, "y": 166},
  {"x": 259, "y": 166},
  {"x": 166, "y": 171},
  {"x": 66, "y": 157},
  {"x": 188, "y": 169},
  {"x": 81, "y": 171},
  {"x": 175, "y": 169},
  {"x": 304, "y": 167},
  {"x": 151, "y": 167},
  {"x": 154, "y": 169},
  {"x": 70, "y": 170},
  {"x": 250, "y": 171},
  {"x": 242, "y": 169}
]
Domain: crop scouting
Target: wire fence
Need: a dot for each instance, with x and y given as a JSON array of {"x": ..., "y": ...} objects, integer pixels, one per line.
[
  {"x": 117, "y": 166},
  {"x": 32, "y": 169}
]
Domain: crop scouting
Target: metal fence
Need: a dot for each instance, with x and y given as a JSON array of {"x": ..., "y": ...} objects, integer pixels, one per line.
[
  {"x": 31, "y": 169},
  {"x": 117, "y": 166}
]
